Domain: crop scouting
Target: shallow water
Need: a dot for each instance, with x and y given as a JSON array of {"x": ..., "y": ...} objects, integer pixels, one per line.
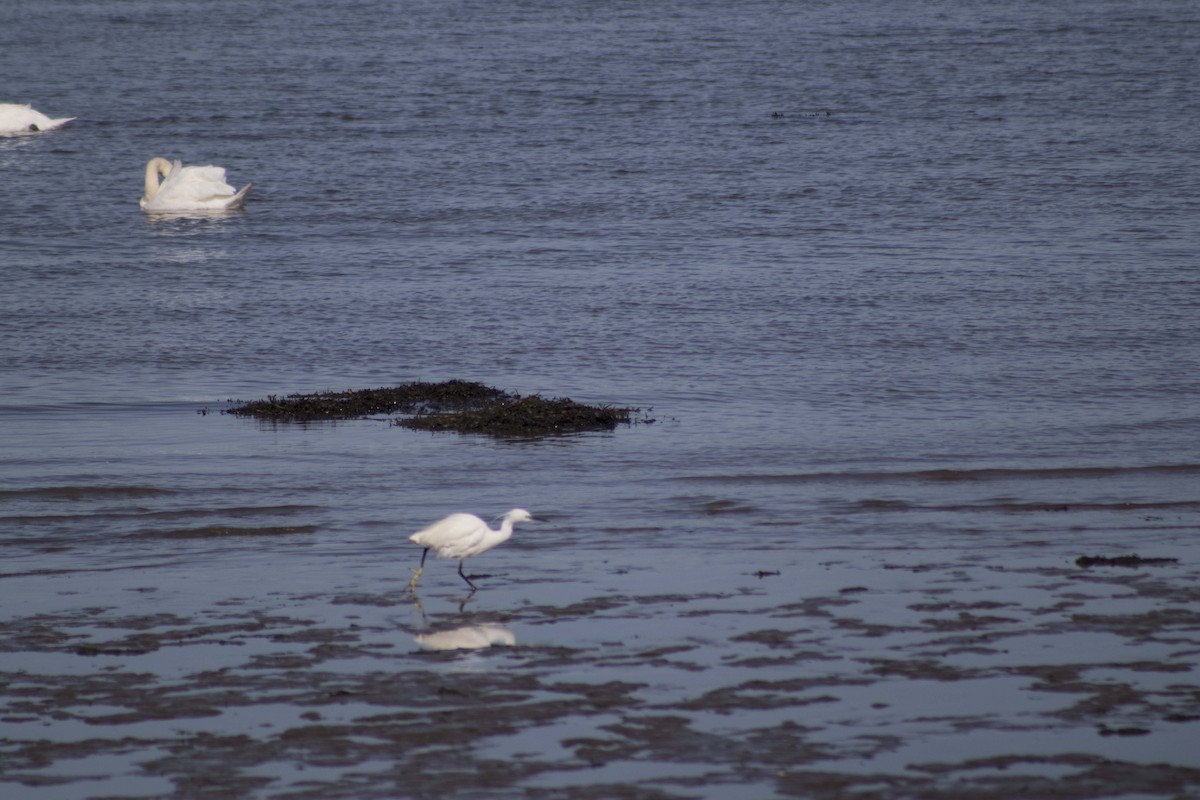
[{"x": 910, "y": 296}]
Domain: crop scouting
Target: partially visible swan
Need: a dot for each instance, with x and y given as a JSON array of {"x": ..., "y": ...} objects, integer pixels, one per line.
[
  {"x": 189, "y": 188},
  {"x": 17, "y": 118}
]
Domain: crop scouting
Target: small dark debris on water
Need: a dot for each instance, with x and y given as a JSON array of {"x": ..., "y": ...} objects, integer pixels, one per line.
[
  {"x": 460, "y": 406},
  {"x": 1104, "y": 730},
  {"x": 1122, "y": 561},
  {"x": 762, "y": 573}
]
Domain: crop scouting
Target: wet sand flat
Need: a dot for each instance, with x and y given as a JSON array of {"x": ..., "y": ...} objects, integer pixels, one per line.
[{"x": 838, "y": 673}]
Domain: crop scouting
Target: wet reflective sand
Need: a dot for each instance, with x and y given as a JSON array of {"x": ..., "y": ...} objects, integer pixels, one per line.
[{"x": 847, "y": 674}]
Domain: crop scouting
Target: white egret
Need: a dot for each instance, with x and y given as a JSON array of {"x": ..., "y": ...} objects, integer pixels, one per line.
[
  {"x": 189, "y": 188},
  {"x": 462, "y": 536},
  {"x": 20, "y": 118}
]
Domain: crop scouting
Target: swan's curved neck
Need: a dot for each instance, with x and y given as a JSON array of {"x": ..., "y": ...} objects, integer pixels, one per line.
[{"x": 155, "y": 167}]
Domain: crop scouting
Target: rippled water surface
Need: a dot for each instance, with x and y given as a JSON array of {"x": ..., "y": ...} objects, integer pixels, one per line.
[{"x": 908, "y": 296}]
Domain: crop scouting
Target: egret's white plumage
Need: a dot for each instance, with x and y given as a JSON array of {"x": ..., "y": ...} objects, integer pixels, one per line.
[
  {"x": 462, "y": 536},
  {"x": 18, "y": 118},
  {"x": 188, "y": 188}
]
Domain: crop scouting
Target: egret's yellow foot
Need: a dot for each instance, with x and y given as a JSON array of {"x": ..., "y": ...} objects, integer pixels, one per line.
[{"x": 416, "y": 571}]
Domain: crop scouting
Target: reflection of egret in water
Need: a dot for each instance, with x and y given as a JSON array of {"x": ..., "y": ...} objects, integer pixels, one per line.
[
  {"x": 416, "y": 600},
  {"x": 471, "y": 637}
]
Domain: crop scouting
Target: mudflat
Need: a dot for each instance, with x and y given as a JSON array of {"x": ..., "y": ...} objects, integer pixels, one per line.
[{"x": 850, "y": 676}]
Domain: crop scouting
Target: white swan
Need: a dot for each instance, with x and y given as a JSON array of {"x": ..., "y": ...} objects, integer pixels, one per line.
[
  {"x": 189, "y": 188},
  {"x": 17, "y": 118}
]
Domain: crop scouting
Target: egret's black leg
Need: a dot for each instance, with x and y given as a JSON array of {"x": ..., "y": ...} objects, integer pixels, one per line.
[
  {"x": 465, "y": 578},
  {"x": 424, "y": 553}
]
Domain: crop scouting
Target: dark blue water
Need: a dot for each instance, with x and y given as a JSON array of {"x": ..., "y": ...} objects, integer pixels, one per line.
[{"x": 886, "y": 277}]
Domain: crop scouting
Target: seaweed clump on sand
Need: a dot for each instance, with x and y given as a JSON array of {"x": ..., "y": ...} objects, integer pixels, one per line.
[
  {"x": 1123, "y": 561},
  {"x": 407, "y": 398},
  {"x": 525, "y": 416},
  {"x": 460, "y": 406}
]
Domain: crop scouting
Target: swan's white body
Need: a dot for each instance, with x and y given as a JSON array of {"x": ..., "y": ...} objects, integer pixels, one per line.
[
  {"x": 189, "y": 188},
  {"x": 17, "y": 118},
  {"x": 462, "y": 536}
]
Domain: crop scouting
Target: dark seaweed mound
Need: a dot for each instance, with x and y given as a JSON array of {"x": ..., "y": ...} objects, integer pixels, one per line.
[
  {"x": 527, "y": 416},
  {"x": 461, "y": 406},
  {"x": 407, "y": 398}
]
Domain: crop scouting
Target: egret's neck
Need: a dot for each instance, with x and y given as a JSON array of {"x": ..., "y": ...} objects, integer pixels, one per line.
[{"x": 505, "y": 532}]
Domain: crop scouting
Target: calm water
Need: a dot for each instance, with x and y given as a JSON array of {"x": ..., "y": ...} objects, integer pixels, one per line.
[{"x": 889, "y": 278}]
